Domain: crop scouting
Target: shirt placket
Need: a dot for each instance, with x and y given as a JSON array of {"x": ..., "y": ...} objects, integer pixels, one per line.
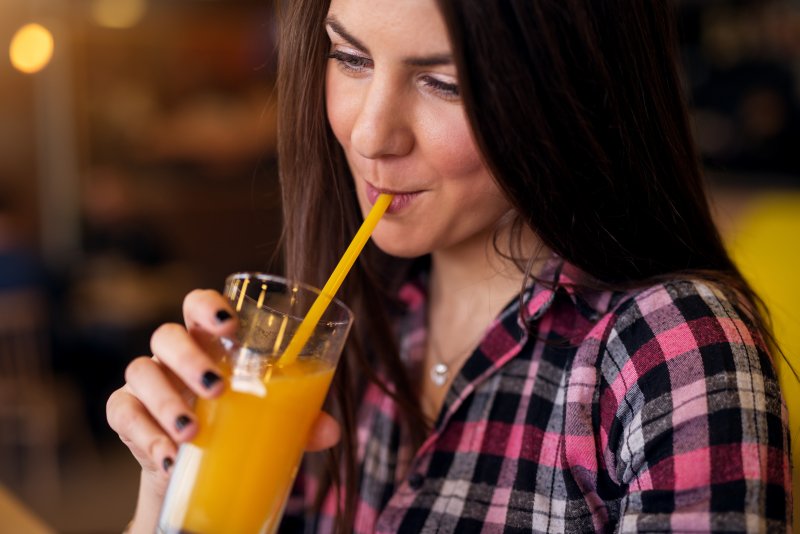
[{"x": 503, "y": 341}]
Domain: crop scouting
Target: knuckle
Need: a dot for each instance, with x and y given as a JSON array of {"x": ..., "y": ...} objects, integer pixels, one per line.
[
  {"x": 195, "y": 298},
  {"x": 112, "y": 405},
  {"x": 164, "y": 332},
  {"x": 194, "y": 295},
  {"x": 122, "y": 417},
  {"x": 210, "y": 293},
  {"x": 136, "y": 367},
  {"x": 164, "y": 335}
]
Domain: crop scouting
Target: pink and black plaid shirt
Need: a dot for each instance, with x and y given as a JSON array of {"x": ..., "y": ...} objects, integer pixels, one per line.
[{"x": 663, "y": 414}]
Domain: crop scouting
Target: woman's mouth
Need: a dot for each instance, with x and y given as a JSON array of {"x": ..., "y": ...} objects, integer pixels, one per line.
[{"x": 400, "y": 201}]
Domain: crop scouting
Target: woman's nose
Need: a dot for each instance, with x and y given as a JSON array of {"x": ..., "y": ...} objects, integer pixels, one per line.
[{"x": 382, "y": 127}]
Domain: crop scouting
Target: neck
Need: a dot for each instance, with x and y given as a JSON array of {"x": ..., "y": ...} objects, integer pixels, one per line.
[
  {"x": 472, "y": 282},
  {"x": 469, "y": 286}
]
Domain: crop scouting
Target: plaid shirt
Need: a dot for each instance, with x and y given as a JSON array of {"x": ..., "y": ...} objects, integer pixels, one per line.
[{"x": 661, "y": 413}]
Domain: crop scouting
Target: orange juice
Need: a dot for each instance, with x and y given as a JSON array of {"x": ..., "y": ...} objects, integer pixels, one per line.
[{"x": 236, "y": 474}]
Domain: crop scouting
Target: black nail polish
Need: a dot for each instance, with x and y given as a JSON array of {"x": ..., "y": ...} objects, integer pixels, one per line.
[
  {"x": 182, "y": 422},
  {"x": 167, "y": 463},
  {"x": 223, "y": 315},
  {"x": 210, "y": 378}
]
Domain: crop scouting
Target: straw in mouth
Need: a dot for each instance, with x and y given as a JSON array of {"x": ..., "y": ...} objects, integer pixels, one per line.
[{"x": 335, "y": 281}]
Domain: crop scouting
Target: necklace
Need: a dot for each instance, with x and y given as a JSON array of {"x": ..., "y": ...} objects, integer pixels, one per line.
[{"x": 439, "y": 372}]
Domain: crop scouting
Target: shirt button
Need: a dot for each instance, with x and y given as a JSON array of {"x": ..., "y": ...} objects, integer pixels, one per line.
[{"x": 415, "y": 481}]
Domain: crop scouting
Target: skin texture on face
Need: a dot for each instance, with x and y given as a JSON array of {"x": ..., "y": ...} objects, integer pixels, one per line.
[{"x": 393, "y": 104}]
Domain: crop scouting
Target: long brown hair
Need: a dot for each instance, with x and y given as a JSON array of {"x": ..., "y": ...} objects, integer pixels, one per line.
[
  {"x": 321, "y": 214},
  {"x": 577, "y": 108}
]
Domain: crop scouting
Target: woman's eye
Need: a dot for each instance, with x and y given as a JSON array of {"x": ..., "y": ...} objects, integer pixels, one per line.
[
  {"x": 445, "y": 90},
  {"x": 350, "y": 62}
]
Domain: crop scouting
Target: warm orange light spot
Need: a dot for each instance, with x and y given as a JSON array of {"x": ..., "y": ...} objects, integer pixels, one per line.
[
  {"x": 118, "y": 13},
  {"x": 31, "y": 48}
]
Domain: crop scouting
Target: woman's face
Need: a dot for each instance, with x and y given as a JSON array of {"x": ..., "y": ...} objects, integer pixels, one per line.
[{"x": 393, "y": 104}]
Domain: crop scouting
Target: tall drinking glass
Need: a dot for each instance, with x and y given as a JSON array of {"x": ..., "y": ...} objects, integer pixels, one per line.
[{"x": 235, "y": 476}]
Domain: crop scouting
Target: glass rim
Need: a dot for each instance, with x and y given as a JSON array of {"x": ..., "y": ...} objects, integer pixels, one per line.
[{"x": 290, "y": 282}]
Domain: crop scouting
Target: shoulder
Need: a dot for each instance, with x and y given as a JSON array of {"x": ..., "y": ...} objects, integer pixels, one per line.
[
  {"x": 670, "y": 336},
  {"x": 688, "y": 403},
  {"x": 683, "y": 320},
  {"x": 681, "y": 350},
  {"x": 695, "y": 304},
  {"x": 682, "y": 346}
]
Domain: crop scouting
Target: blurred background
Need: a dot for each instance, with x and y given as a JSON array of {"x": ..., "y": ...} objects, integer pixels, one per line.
[{"x": 137, "y": 161}]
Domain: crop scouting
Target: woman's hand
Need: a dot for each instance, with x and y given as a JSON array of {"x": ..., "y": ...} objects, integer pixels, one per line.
[{"x": 152, "y": 412}]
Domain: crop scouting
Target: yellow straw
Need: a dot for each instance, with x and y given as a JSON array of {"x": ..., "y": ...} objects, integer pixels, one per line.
[{"x": 335, "y": 281}]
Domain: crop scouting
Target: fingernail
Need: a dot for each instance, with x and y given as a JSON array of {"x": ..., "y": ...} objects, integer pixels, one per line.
[
  {"x": 167, "y": 463},
  {"x": 210, "y": 378},
  {"x": 182, "y": 422},
  {"x": 223, "y": 315}
]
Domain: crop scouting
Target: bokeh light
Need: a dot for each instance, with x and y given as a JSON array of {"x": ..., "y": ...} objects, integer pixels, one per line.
[
  {"x": 118, "y": 14},
  {"x": 31, "y": 48}
]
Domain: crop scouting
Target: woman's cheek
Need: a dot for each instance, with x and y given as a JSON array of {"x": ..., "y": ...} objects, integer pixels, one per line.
[
  {"x": 340, "y": 109},
  {"x": 450, "y": 144}
]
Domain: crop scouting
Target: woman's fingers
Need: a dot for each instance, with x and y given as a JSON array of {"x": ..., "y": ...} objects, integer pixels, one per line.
[
  {"x": 153, "y": 448},
  {"x": 324, "y": 434},
  {"x": 157, "y": 393},
  {"x": 180, "y": 352},
  {"x": 207, "y": 310},
  {"x": 188, "y": 351}
]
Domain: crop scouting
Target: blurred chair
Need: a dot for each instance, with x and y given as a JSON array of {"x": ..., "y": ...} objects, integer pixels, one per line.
[
  {"x": 28, "y": 398},
  {"x": 765, "y": 244}
]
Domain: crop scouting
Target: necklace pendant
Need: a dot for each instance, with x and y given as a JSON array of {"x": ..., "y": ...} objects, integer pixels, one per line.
[{"x": 439, "y": 374}]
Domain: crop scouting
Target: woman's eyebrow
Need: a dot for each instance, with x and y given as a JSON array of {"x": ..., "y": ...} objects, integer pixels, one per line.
[
  {"x": 337, "y": 27},
  {"x": 432, "y": 60}
]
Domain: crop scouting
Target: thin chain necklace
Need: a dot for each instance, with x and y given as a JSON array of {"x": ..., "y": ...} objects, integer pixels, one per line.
[{"x": 439, "y": 372}]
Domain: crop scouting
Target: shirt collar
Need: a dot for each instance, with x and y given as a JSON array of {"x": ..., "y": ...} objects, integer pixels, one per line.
[
  {"x": 557, "y": 281},
  {"x": 556, "y": 275},
  {"x": 583, "y": 290}
]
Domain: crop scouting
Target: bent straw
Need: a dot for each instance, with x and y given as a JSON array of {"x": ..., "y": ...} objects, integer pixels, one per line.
[{"x": 332, "y": 285}]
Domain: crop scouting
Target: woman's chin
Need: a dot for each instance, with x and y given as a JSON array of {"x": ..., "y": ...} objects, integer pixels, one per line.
[{"x": 397, "y": 247}]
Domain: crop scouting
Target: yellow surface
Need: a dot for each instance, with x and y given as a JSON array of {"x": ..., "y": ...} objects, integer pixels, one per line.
[
  {"x": 335, "y": 281},
  {"x": 15, "y": 516},
  {"x": 240, "y": 467},
  {"x": 766, "y": 247}
]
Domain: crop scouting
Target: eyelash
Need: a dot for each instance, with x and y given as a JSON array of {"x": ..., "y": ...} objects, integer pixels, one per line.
[
  {"x": 358, "y": 64},
  {"x": 448, "y": 91},
  {"x": 350, "y": 62}
]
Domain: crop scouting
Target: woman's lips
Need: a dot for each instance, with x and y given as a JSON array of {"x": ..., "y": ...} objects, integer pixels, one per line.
[{"x": 400, "y": 200}]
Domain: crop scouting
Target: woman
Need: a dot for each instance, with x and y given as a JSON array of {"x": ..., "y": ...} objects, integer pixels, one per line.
[{"x": 549, "y": 335}]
